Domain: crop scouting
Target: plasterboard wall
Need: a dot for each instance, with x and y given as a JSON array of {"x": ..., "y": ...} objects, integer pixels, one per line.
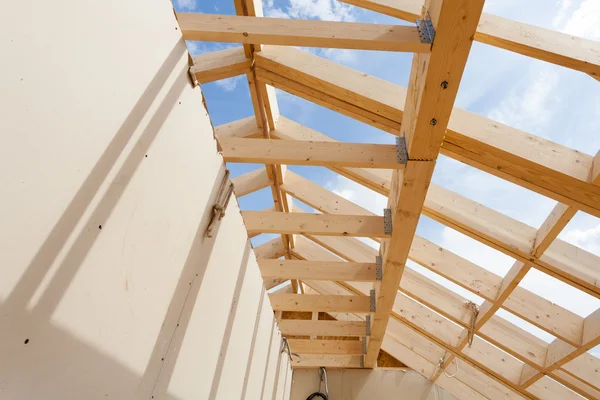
[
  {"x": 364, "y": 384},
  {"x": 108, "y": 172}
]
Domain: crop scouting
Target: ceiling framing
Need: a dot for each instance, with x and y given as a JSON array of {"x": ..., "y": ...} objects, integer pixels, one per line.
[{"x": 425, "y": 325}]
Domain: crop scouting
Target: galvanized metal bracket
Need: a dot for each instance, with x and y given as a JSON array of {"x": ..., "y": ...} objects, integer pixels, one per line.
[
  {"x": 387, "y": 221},
  {"x": 362, "y": 361},
  {"x": 378, "y": 268},
  {"x": 373, "y": 300},
  {"x": 401, "y": 152},
  {"x": 426, "y": 29},
  {"x": 368, "y": 322},
  {"x": 364, "y": 345}
]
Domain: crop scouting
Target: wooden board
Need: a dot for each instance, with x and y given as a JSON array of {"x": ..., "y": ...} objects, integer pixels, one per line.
[
  {"x": 324, "y": 303},
  {"x": 315, "y": 270},
  {"x": 309, "y": 153},
  {"x": 314, "y": 224},
  {"x": 294, "y": 32}
]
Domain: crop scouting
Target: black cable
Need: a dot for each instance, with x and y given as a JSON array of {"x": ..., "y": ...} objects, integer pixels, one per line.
[{"x": 317, "y": 394}]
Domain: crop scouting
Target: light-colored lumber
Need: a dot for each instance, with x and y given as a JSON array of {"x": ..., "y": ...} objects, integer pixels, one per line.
[
  {"x": 322, "y": 328},
  {"x": 241, "y": 128},
  {"x": 560, "y": 217},
  {"x": 315, "y": 224},
  {"x": 304, "y": 346},
  {"x": 318, "y": 270},
  {"x": 529, "y": 40},
  {"x": 323, "y": 303},
  {"x": 294, "y": 32},
  {"x": 250, "y": 182},
  {"x": 327, "y": 361},
  {"x": 432, "y": 89},
  {"x": 272, "y": 249},
  {"x": 220, "y": 64},
  {"x": 310, "y": 153},
  {"x": 316, "y": 95}
]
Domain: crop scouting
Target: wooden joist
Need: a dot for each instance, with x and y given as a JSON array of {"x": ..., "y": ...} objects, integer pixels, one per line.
[
  {"x": 529, "y": 40},
  {"x": 328, "y": 361},
  {"x": 324, "y": 303},
  {"x": 310, "y": 153},
  {"x": 220, "y": 64},
  {"x": 274, "y": 248},
  {"x": 317, "y": 270},
  {"x": 314, "y": 224},
  {"x": 250, "y": 182},
  {"x": 294, "y": 32},
  {"x": 305, "y": 346},
  {"x": 322, "y": 328}
]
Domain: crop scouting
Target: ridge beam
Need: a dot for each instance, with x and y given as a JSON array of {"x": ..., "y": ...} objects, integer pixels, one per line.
[{"x": 432, "y": 90}]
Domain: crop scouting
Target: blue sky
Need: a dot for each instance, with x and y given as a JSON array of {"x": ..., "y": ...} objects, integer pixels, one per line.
[{"x": 540, "y": 98}]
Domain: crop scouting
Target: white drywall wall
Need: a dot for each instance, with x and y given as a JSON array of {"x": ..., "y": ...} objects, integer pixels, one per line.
[
  {"x": 108, "y": 172},
  {"x": 365, "y": 384}
]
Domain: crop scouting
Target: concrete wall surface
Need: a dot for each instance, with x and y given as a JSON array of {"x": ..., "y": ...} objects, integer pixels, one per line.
[
  {"x": 365, "y": 384},
  {"x": 108, "y": 174}
]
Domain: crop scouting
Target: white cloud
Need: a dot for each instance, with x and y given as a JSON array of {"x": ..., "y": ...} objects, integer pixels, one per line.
[
  {"x": 185, "y": 5},
  {"x": 327, "y": 10},
  {"x": 229, "y": 84},
  {"x": 585, "y": 21},
  {"x": 529, "y": 106},
  {"x": 588, "y": 239},
  {"x": 563, "y": 7}
]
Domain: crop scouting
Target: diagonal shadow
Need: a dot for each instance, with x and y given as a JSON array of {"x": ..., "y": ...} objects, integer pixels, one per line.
[
  {"x": 77, "y": 253},
  {"x": 230, "y": 319},
  {"x": 253, "y": 343},
  {"x": 49, "y": 250},
  {"x": 168, "y": 344}
]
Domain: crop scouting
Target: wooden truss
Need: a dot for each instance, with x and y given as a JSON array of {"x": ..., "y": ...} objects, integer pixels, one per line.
[{"x": 377, "y": 303}]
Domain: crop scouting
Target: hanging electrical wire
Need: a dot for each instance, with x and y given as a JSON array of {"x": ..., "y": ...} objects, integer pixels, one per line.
[{"x": 322, "y": 379}]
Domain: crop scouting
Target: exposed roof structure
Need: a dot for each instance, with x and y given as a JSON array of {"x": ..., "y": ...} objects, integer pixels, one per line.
[{"x": 370, "y": 293}]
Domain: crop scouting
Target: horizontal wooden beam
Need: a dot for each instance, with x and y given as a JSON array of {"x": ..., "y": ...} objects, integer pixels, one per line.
[
  {"x": 319, "y": 302},
  {"x": 250, "y": 182},
  {"x": 317, "y": 270},
  {"x": 241, "y": 128},
  {"x": 295, "y": 32},
  {"x": 314, "y": 224},
  {"x": 269, "y": 151},
  {"x": 328, "y": 361},
  {"x": 322, "y": 328},
  {"x": 220, "y": 64},
  {"x": 529, "y": 40},
  {"x": 305, "y": 346},
  {"x": 274, "y": 248}
]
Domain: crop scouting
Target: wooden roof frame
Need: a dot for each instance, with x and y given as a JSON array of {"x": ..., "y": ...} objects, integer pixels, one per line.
[{"x": 420, "y": 322}]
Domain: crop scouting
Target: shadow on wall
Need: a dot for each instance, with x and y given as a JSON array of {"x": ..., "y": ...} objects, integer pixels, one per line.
[{"x": 41, "y": 360}]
